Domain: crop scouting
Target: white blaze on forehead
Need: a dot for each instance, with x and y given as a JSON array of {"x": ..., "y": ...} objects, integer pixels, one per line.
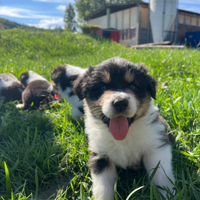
[
  {"x": 34, "y": 77},
  {"x": 74, "y": 70},
  {"x": 110, "y": 112}
]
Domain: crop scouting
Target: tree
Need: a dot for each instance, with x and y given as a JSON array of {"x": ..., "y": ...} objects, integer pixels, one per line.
[
  {"x": 69, "y": 18},
  {"x": 85, "y": 7}
]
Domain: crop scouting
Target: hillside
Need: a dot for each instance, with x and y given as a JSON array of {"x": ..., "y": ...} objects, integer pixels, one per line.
[
  {"x": 47, "y": 148},
  {"x": 7, "y": 24}
]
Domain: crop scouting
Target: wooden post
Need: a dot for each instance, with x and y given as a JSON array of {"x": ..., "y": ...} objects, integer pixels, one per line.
[
  {"x": 108, "y": 17},
  {"x": 139, "y": 23},
  {"x": 177, "y": 23},
  {"x": 148, "y": 28}
]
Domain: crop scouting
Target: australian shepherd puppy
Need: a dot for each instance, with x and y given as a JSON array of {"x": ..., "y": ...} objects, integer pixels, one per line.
[
  {"x": 10, "y": 88},
  {"x": 62, "y": 78},
  {"x": 123, "y": 126},
  {"x": 38, "y": 90}
]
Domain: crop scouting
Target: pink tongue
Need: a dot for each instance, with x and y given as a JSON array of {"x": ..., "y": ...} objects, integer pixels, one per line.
[
  {"x": 119, "y": 127},
  {"x": 56, "y": 96}
]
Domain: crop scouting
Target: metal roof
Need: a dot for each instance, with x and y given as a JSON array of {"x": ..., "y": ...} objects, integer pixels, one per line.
[
  {"x": 123, "y": 6},
  {"x": 113, "y": 8}
]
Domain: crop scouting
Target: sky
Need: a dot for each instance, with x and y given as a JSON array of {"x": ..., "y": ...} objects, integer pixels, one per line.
[{"x": 50, "y": 13}]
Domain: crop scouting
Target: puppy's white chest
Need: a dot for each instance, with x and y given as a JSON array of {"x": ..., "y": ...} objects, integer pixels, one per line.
[{"x": 128, "y": 152}]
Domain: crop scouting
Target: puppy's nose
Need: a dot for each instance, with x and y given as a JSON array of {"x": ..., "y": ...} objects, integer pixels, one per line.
[{"x": 120, "y": 105}]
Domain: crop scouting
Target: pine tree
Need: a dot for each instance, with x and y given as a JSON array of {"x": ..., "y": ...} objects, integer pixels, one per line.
[{"x": 69, "y": 18}]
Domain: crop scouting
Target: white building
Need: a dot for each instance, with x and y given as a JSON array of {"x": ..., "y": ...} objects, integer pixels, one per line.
[{"x": 132, "y": 20}]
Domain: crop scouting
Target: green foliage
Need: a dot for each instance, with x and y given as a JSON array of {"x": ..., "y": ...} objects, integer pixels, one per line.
[
  {"x": 69, "y": 18},
  {"x": 46, "y": 152},
  {"x": 87, "y": 28},
  {"x": 85, "y": 7}
]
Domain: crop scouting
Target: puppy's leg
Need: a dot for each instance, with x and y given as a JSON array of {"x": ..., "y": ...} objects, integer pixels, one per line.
[
  {"x": 164, "y": 156},
  {"x": 103, "y": 174}
]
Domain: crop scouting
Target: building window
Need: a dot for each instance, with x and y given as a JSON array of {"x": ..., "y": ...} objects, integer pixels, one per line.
[
  {"x": 125, "y": 34},
  {"x": 132, "y": 32}
]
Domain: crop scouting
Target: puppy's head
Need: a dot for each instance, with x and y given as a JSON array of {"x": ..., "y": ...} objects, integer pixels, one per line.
[
  {"x": 116, "y": 92},
  {"x": 63, "y": 77},
  {"x": 57, "y": 75},
  {"x": 29, "y": 76}
]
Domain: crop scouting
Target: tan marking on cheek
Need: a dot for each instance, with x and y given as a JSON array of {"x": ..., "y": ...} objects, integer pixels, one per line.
[
  {"x": 142, "y": 105},
  {"x": 105, "y": 96},
  {"x": 105, "y": 77},
  {"x": 129, "y": 77}
]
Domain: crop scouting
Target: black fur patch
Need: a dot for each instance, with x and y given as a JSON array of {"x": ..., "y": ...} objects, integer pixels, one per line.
[
  {"x": 81, "y": 109},
  {"x": 24, "y": 77},
  {"x": 98, "y": 164},
  {"x": 70, "y": 94},
  {"x": 59, "y": 76},
  {"x": 79, "y": 86}
]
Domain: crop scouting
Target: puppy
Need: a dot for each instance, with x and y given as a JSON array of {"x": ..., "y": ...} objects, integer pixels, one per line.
[
  {"x": 62, "y": 80},
  {"x": 30, "y": 76},
  {"x": 38, "y": 90},
  {"x": 10, "y": 88},
  {"x": 123, "y": 126}
]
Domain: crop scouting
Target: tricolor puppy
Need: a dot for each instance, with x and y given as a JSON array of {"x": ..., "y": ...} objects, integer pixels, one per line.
[
  {"x": 10, "y": 88},
  {"x": 123, "y": 126},
  {"x": 62, "y": 78},
  {"x": 38, "y": 90}
]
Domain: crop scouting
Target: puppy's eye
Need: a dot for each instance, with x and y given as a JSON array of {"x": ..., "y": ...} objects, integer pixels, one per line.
[
  {"x": 132, "y": 87},
  {"x": 103, "y": 88}
]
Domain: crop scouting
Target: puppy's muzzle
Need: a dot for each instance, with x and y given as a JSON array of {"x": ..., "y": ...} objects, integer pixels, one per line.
[{"x": 120, "y": 104}]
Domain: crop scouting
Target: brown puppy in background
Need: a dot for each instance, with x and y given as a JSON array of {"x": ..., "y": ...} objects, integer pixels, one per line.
[
  {"x": 38, "y": 90},
  {"x": 10, "y": 88}
]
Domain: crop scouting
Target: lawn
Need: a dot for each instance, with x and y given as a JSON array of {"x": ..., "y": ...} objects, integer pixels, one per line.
[{"x": 43, "y": 154}]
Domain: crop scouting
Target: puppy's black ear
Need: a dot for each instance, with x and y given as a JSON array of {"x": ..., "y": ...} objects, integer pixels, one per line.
[
  {"x": 56, "y": 73},
  {"x": 152, "y": 86},
  {"x": 80, "y": 84},
  {"x": 23, "y": 78}
]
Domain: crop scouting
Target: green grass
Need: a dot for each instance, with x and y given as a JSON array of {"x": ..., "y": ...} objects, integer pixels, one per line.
[{"x": 45, "y": 152}]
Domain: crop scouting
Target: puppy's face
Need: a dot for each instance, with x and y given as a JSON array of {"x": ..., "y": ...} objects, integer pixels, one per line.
[
  {"x": 57, "y": 76},
  {"x": 117, "y": 92},
  {"x": 63, "y": 77}
]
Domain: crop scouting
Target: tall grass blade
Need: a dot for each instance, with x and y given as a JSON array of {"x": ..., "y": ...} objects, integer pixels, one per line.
[
  {"x": 8, "y": 183},
  {"x": 36, "y": 183},
  {"x": 82, "y": 193},
  {"x": 129, "y": 196}
]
